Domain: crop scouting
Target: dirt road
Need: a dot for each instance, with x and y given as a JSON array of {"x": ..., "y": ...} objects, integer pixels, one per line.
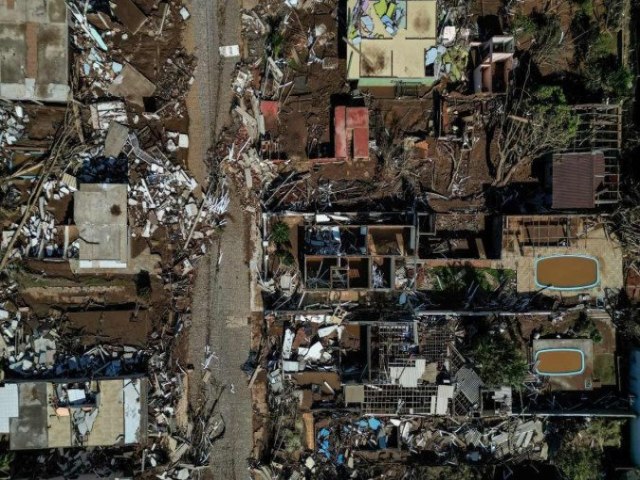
[
  {"x": 213, "y": 24},
  {"x": 221, "y": 319},
  {"x": 222, "y": 293}
]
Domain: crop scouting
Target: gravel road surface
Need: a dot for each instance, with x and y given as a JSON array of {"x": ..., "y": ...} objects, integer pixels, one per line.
[{"x": 222, "y": 293}]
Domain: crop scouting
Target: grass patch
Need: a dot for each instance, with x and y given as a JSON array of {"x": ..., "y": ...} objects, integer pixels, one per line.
[
  {"x": 604, "y": 368},
  {"x": 29, "y": 280}
]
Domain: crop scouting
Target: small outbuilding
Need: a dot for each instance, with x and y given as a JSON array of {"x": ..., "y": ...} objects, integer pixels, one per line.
[
  {"x": 100, "y": 213},
  {"x": 576, "y": 178}
]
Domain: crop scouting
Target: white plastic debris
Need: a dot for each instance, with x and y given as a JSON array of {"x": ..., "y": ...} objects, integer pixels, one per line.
[
  {"x": 183, "y": 140},
  {"x": 229, "y": 51}
]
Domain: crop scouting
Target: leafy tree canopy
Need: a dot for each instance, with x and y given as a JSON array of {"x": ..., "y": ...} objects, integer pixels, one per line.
[{"x": 499, "y": 361}]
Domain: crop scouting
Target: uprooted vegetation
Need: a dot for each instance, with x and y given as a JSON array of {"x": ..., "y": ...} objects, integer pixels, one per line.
[{"x": 583, "y": 452}]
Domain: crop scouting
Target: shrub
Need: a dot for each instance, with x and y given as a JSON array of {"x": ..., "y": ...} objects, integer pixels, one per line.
[
  {"x": 602, "y": 71},
  {"x": 286, "y": 258},
  {"x": 143, "y": 284},
  {"x": 523, "y": 24},
  {"x": 580, "y": 463},
  {"x": 280, "y": 233}
]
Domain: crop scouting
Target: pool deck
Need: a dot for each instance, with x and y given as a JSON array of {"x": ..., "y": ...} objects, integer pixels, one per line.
[
  {"x": 596, "y": 244},
  {"x": 569, "y": 382}
]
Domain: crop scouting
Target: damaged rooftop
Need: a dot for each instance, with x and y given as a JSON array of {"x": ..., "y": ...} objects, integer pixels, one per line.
[{"x": 34, "y": 50}]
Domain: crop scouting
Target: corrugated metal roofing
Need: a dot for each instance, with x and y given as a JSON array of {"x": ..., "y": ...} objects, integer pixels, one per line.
[
  {"x": 576, "y": 178},
  {"x": 469, "y": 384},
  {"x": 8, "y": 405},
  {"x": 408, "y": 375}
]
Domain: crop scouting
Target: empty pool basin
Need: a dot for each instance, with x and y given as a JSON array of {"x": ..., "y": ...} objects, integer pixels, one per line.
[
  {"x": 567, "y": 272},
  {"x": 558, "y": 362}
]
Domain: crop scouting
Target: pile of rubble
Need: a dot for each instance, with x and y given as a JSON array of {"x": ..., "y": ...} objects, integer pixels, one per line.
[
  {"x": 165, "y": 390},
  {"x": 106, "y": 37},
  {"x": 310, "y": 348},
  {"x": 43, "y": 348},
  {"x": 340, "y": 441},
  {"x": 46, "y": 351},
  {"x": 12, "y": 120},
  {"x": 479, "y": 443},
  {"x": 162, "y": 193},
  {"x": 250, "y": 168},
  {"x": 43, "y": 237}
]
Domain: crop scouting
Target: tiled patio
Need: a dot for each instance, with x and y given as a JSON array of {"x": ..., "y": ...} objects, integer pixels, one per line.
[{"x": 594, "y": 243}]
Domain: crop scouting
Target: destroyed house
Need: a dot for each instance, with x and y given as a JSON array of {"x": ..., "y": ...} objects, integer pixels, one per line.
[
  {"x": 350, "y": 251},
  {"x": 391, "y": 41},
  {"x": 91, "y": 413},
  {"x": 414, "y": 368},
  {"x": 339, "y": 257},
  {"x": 384, "y": 251},
  {"x": 458, "y": 235},
  {"x": 494, "y": 64},
  {"x": 433, "y": 441},
  {"x": 34, "y": 50}
]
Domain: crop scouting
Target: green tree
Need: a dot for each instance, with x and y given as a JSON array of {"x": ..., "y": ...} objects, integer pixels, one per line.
[
  {"x": 532, "y": 124},
  {"x": 455, "y": 472},
  {"x": 579, "y": 463},
  {"x": 499, "y": 361},
  {"x": 603, "y": 432},
  {"x": 598, "y": 72}
]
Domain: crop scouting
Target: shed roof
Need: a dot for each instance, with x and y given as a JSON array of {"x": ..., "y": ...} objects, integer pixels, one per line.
[
  {"x": 100, "y": 212},
  {"x": 576, "y": 178},
  {"x": 351, "y": 132}
]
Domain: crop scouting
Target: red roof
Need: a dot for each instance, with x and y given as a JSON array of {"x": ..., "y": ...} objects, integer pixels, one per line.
[
  {"x": 340, "y": 138},
  {"x": 351, "y": 136},
  {"x": 357, "y": 117},
  {"x": 360, "y": 143},
  {"x": 270, "y": 110}
]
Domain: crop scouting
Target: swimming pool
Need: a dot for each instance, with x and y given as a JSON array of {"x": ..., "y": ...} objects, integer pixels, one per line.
[
  {"x": 558, "y": 362},
  {"x": 567, "y": 272}
]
